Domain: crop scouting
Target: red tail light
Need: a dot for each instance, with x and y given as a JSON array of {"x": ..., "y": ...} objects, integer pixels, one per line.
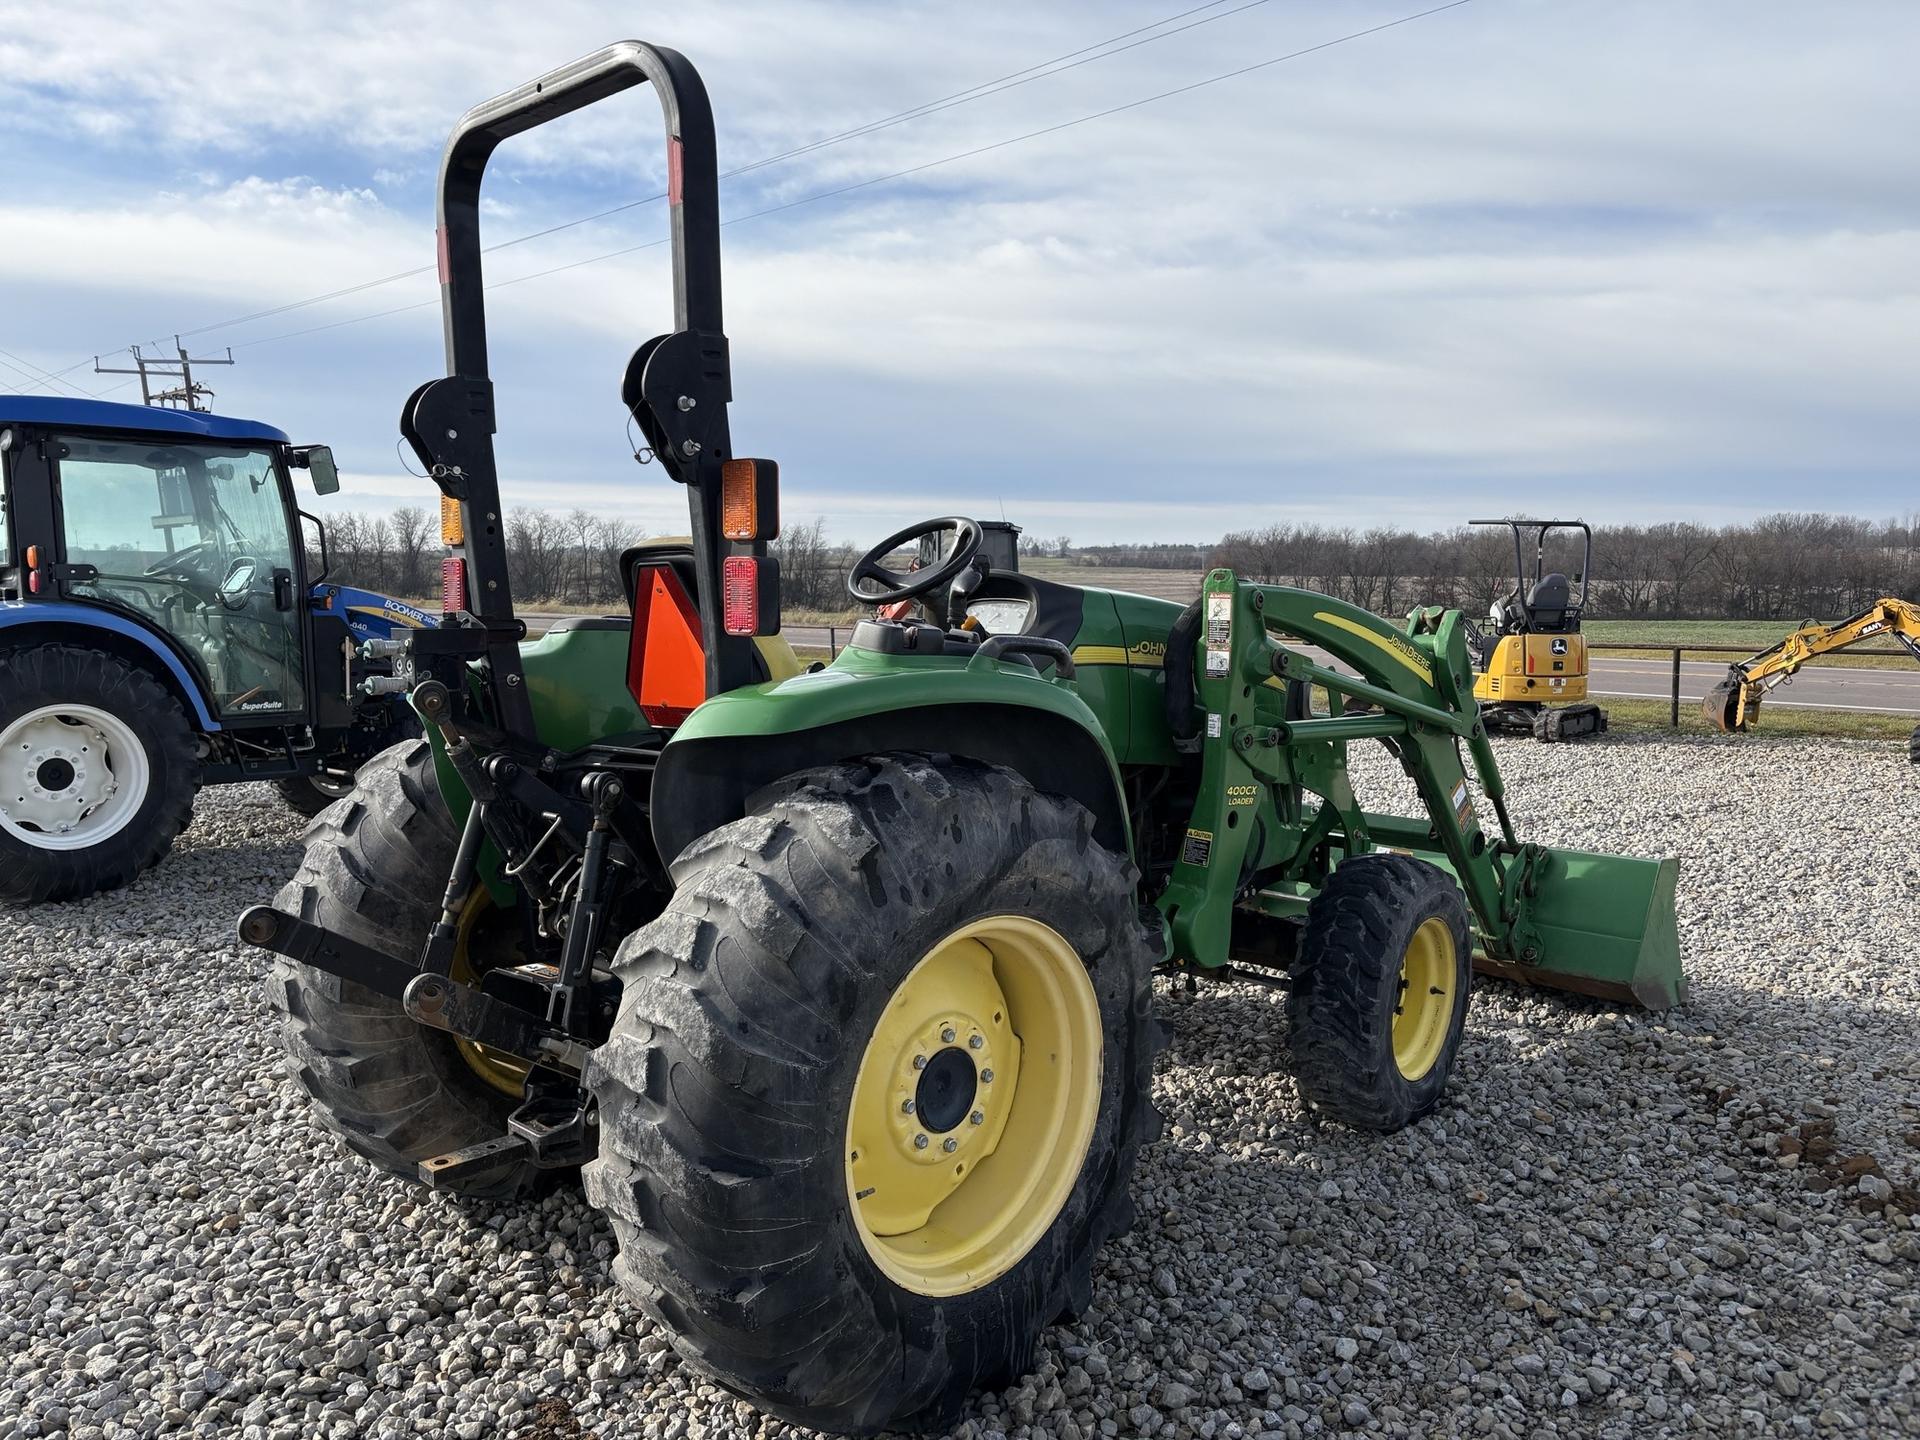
[
  {"x": 453, "y": 584},
  {"x": 750, "y": 595},
  {"x": 741, "y": 593}
]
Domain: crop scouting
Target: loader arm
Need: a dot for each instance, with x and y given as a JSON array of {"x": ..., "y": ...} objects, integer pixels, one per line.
[
  {"x": 1256, "y": 840},
  {"x": 1735, "y": 701}
]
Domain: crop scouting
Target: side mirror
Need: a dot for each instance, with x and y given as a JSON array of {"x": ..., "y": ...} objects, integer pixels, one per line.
[{"x": 317, "y": 460}]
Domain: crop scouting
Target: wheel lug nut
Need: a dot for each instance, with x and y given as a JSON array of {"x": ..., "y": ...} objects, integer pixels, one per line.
[
  {"x": 949, "y": 1145},
  {"x": 906, "y": 1107},
  {"x": 978, "y": 1117},
  {"x": 919, "y": 1142},
  {"x": 986, "y": 1076},
  {"x": 946, "y": 1035},
  {"x": 919, "y": 1062},
  {"x": 974, "y": 1042}
]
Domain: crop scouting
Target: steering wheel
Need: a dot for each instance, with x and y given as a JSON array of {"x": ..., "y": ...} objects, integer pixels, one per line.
[
  {"x": 176, "y": 563},
  {"x": 235, "y": 590},
  {"x": 894, "y": 586}
]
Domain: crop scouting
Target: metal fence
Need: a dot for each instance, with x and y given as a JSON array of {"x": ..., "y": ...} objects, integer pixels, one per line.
[{"x": 1673, "y": 717}]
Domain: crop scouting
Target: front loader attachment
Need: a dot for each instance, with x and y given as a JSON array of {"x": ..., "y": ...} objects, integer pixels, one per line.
[
  {"x": 1602, "y": 925},
  {"x": 1275, "y": 811}
]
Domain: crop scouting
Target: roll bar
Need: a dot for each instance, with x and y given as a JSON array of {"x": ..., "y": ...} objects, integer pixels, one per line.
[
  {"x": 1540, "y": 529},
  {"x": 678, "y": 386}
]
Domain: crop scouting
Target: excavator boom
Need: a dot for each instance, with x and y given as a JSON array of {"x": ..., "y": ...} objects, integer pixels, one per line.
[{"x": 1735, "y": 701}]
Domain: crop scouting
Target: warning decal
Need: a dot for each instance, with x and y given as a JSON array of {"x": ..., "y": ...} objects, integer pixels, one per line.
[
  {"x": 1219, "y": 632},
  {"x": 1463, "y": 806},
  {"x": 1199, "y": 847}
]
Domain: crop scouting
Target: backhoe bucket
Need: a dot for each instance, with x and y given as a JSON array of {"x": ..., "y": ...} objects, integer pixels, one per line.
[
  {"x": 1721, "y": 707},
  {"x": 1606, "y": 927}
]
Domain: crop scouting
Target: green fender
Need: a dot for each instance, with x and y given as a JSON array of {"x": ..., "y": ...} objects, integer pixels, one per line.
[{"x": 1001, "y": 712}]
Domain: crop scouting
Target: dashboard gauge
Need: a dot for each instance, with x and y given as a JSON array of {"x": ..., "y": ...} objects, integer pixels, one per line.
[{"x": 1001, "y": 617}]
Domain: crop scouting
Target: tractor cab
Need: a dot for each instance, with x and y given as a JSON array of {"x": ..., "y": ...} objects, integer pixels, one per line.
[{"x": 182, "y": 523}]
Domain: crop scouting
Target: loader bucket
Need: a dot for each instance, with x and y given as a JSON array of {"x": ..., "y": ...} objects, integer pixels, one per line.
[
  {"x": 1606, "y": 926},
  {"x": 1721, "y": 707}
]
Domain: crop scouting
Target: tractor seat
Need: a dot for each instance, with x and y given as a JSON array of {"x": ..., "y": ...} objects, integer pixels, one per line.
[{"x": 1548, "y": 601}]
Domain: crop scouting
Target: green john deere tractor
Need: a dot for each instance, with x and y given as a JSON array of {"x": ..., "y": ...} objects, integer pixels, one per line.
[{"x": 837, "y": 984}]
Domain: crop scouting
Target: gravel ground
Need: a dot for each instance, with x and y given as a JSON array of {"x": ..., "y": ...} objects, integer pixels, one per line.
[{"x": 1615, "y": 1226}]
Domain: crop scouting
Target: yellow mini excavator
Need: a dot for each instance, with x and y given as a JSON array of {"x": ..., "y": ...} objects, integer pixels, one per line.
[
  {"x": 1531, "y": 660},
  {"x": 1734, "y": 703}
]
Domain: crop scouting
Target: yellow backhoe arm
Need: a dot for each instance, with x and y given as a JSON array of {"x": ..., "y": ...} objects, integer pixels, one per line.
[{"x": 1735, "y": 701}]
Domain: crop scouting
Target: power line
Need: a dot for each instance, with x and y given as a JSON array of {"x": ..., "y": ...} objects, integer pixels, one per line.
[
  {"x": 1044, "y": 69},
  {"x": 900, "y": 174},
  {"x": 38, "y": 376}
]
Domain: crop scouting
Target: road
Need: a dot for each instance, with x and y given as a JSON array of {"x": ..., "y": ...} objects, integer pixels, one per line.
[{"x": 1817, "y": 687}]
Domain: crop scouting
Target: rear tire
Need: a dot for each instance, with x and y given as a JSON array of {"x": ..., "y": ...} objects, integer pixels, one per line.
[
  {"x": 395, "y": 1091},
  {"x": 731, "y": 1088},
  {"x": 86, "y": 734},
  {"x": 1372, "y": 1044},
  {"x": 1913, "y": 745}
]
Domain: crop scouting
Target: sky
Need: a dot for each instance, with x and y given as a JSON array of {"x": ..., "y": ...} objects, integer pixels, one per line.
[{"x": 1626, "y": 259}]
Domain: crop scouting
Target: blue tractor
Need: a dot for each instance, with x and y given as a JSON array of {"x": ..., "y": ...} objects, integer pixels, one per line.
[{"x": 159, "y": 631}]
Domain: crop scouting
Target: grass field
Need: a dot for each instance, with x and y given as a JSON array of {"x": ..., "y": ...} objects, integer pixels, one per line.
[
  {"x": 1633, "y": 716},
  {"x": 1660, "y": 636}
]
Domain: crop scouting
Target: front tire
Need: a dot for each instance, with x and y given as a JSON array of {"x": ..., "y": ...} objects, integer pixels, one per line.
[
  {"x": 395, "y": 1091},
  {"x": 310, "y": 794},
  {"x": 1379, "y": 999},
  {"x": 98, "y": 772},
  {"x": 1913, "y": 745},
  {"x": 802, "y": 1235}
]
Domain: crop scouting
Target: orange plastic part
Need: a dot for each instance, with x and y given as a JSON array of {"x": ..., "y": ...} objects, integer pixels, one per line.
[{"x": 666, "y": 663}]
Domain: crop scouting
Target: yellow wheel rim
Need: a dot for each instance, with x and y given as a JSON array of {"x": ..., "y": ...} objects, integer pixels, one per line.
[
  {"x": 1423, "y": 1013},
  {"x": 504, "y": 1072},
  {"x": 974, "y": 1106}
]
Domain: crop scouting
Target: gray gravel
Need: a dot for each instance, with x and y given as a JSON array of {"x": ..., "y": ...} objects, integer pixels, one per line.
[{"x": 1616, "y": 1226}]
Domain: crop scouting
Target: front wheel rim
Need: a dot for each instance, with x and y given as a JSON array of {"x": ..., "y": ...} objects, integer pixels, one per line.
[
  {"x": 71, "y": 777},
  {"x": 974, "y": 1106},
  {"x": 1423, "y": 1007},
  {"x": 334, "y": 787}
]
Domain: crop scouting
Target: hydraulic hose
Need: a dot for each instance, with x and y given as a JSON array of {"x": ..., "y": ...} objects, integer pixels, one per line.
[{"x": 1183, "y": 721}]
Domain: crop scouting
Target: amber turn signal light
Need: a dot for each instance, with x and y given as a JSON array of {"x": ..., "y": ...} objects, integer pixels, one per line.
[{"x": 749, "y": 499}]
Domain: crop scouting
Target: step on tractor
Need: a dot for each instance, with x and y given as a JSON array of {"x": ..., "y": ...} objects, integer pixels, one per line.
[
  {"x": 836, "y": 984},
  {"x": 1530, "y": 662},
  {"x": 1734, "y": 704},
  {"x": 159, "y": 631}
]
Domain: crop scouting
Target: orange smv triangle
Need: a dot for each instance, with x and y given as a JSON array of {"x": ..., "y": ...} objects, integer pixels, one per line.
[{"x": 666, "y": 664}]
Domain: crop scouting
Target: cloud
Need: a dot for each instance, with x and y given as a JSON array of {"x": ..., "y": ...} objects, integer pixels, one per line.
[{"x": 1654, "y": 263}]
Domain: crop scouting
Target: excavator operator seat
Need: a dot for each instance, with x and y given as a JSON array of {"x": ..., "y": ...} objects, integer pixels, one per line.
[{"x": 1548, "y": 601}]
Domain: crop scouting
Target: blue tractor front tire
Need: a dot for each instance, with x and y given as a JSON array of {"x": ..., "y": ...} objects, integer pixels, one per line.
[{"x": 98, "y": 772}]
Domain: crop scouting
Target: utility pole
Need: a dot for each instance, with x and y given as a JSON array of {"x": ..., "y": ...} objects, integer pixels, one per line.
[{"x": 186, "y": 393}]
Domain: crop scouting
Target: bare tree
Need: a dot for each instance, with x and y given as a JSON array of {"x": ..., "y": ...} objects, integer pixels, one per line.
[
  {"x": 811, "y": 567},
  {"x": 410, "y": 532}
]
